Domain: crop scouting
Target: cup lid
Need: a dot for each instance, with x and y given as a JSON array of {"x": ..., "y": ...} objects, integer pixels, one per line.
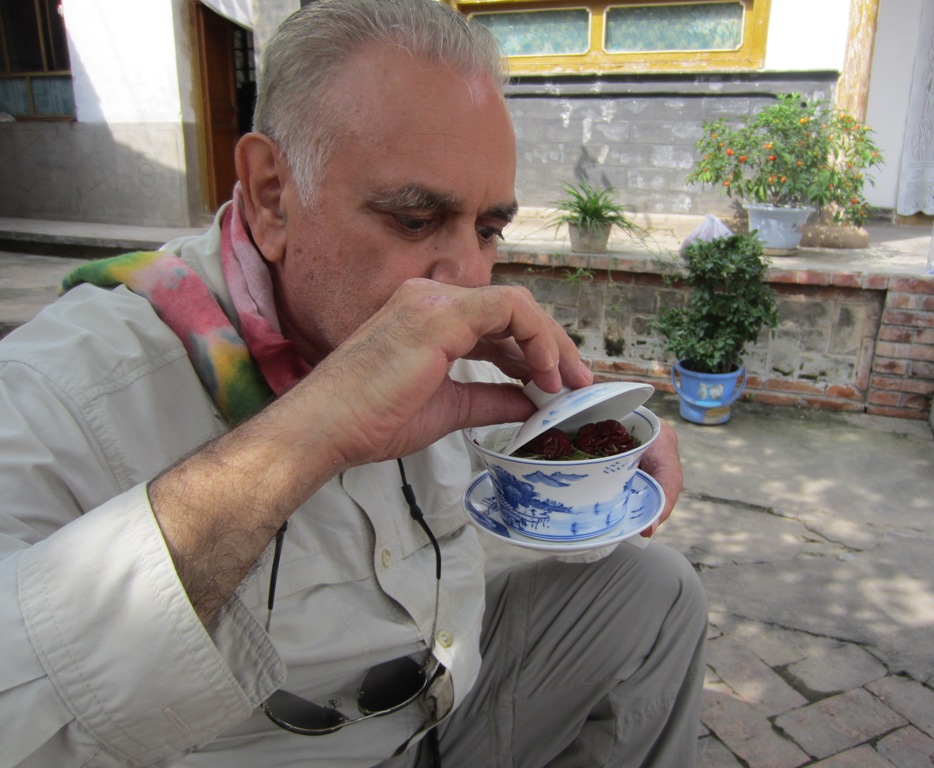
[{"x": 557, "y": 408}]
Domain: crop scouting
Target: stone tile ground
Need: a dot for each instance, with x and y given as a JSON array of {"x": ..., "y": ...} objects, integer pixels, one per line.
[
  {"x": 836, "y": 706},
  {"x": 812, "y": 535}
]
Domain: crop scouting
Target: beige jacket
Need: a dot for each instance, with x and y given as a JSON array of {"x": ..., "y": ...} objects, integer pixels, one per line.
[{"x": 104, "y": 662}]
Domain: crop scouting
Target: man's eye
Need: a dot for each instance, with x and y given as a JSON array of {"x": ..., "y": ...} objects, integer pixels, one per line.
[
  {"x": 412, "y": 225},
  {"x": 489, "y": 235}
]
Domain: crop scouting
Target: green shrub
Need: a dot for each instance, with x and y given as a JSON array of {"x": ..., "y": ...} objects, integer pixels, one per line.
[
  {"x": 792, "y": 153},
  {"x": 729, "y": 303}
]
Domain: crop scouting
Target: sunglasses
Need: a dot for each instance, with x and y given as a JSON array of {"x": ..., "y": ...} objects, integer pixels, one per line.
[{"x": 386, "y": 688}]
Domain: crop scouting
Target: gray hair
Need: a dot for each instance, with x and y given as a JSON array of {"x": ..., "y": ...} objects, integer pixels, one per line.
[{"x": 310, "y": 48}]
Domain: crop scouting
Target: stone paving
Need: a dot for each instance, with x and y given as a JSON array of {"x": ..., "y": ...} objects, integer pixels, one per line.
[
  {"x": 813, "y": 535},
  {"x": 27, "y": 283}
]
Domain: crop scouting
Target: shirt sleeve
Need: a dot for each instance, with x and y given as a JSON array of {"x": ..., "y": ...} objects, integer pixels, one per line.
[
  {"x": 103, "y": 661},
  {"x": 111, "y": 646}
]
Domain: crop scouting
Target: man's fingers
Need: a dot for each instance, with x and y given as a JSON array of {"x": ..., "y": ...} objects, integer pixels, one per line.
[
  {"x": 663, "y": 463},
  {"x": 398, "y": 364},
  {"x": 524, "y": 341}
]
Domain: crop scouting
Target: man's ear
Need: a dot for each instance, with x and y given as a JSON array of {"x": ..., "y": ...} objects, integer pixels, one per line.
[{"x": 263, "y": 173}]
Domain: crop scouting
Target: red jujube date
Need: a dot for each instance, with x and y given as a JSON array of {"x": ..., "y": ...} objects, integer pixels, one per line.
[
  {"x": 604, "y": 438},
  {"x": 594, "y": 440}
]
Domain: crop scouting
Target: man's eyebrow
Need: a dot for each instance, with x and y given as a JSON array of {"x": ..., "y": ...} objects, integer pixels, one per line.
[
  {"x": 413, "y": 197},
  {"x": 507, "y": 211}
]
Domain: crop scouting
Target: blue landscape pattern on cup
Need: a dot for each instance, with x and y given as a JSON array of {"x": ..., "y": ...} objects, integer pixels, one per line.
[{"x": 525, "y": 506}]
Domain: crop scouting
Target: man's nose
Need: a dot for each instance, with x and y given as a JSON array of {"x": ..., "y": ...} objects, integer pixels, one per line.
[{"x": 464, "y": 261}]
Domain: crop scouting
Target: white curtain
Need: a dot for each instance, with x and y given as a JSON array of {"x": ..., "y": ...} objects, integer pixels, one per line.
[
  {"x": 916, "y": 177},
  {"x": 238, "y": 11}
]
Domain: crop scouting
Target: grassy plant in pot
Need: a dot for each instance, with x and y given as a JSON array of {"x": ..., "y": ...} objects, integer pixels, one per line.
[
  {"x": 728, "y": 305},
  {"x": 590, "y": 214},
  {"x": 788, "y": 160}
]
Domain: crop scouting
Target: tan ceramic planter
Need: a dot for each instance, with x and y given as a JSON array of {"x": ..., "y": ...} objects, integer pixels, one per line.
[{"x": 589, "y": 240}]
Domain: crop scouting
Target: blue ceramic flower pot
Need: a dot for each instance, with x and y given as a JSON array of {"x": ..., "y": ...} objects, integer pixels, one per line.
[{"x": 706, "y": 398}]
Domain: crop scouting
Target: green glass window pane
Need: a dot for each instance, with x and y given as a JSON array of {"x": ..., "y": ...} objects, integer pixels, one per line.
[
  {"x": 686, "y": 27},
  {"x": 539, "y": 33},
  {"x": 53, "y": 95},
  {"x": 14, "y": 99}
]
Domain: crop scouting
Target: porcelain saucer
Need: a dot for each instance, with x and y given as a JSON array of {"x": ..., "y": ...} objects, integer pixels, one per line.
[{"x": 643, "y": 507}]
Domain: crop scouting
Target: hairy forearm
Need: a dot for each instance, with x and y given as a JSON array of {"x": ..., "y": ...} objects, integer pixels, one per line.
[
  {"x": 219, "y": 508},
  {"x": 385, "y": 392}
]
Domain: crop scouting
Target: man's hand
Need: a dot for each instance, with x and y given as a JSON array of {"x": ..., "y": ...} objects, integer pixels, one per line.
[
  {"x": 388, "y": 386},
  {"x": 384, "y": 393},
  {"x": 662, "y": 462}
]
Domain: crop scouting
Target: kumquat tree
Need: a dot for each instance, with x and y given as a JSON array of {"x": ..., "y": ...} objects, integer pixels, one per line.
[{"x": 792, "y": 153}]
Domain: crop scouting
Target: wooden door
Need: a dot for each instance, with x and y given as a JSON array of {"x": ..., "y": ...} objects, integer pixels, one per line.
[{"x": 227, "y": 80}]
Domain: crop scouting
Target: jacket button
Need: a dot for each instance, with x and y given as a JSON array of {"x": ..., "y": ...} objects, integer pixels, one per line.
[
  {"x": 444, "y": 639},
  {"x": 386, "y": 558}
]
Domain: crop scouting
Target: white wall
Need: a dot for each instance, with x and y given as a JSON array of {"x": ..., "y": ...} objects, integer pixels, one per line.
[
  {"x": 238, "y": 11},
  {"x": 185, "y": 50},
  {"x": 897, "y": 37},
  {"x": 123, "y": 60},
  {"x": 812, "y": 35},
  {"x": 807, "y": 35}
]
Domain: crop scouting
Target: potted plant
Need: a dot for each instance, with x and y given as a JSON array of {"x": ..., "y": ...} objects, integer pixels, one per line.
[
  {"x": 590, "y": 214},
  {"x": 791, "y": 158},
  {"x": 729, "y": 303}
]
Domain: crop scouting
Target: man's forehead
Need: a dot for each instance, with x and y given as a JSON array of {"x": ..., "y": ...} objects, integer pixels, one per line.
[
  {"x": 391, "y": 76},
  {"x": 412, "y": 136}
]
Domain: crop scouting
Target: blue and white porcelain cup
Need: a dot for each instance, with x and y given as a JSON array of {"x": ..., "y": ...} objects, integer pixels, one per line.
[{"x": 564, "y": 500}]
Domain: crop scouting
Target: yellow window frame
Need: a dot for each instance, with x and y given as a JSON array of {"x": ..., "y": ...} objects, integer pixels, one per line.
[{"x": 597, "y": 60}]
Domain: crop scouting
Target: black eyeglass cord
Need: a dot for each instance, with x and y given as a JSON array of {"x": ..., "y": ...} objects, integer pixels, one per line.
[
  {"x": 431, "y": 738},
  {"x": 416, "y": 512},
  {"x": 274, "y": 576}
]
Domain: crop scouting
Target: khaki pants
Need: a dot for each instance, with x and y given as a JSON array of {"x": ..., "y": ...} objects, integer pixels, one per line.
[{"x": 598, "y": 664}]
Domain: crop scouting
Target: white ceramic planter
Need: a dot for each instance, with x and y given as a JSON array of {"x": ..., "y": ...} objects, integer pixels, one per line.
[{"x": 779, "y": 228}]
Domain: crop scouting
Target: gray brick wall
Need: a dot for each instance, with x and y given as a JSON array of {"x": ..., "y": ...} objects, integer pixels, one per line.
[
  {"x": 636, "y": 134},
  {"x": 848, "y": 340}
]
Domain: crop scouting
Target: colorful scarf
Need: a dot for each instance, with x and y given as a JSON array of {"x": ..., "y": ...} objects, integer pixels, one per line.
[
  {"x": 183, "y": 302},
  {"x": 241, "y": 373},
  {"x": 250, "y": 286}
]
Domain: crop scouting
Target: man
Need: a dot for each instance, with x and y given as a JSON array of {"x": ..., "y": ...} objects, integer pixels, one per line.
[{"x": 145, "y": 475}]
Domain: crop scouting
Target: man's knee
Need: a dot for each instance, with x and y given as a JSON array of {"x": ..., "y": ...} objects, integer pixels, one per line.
[
  {"x": 673, "y": 571},
  {"x": 657, "y": 571},
  {"x": 653, "y": 587}
]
